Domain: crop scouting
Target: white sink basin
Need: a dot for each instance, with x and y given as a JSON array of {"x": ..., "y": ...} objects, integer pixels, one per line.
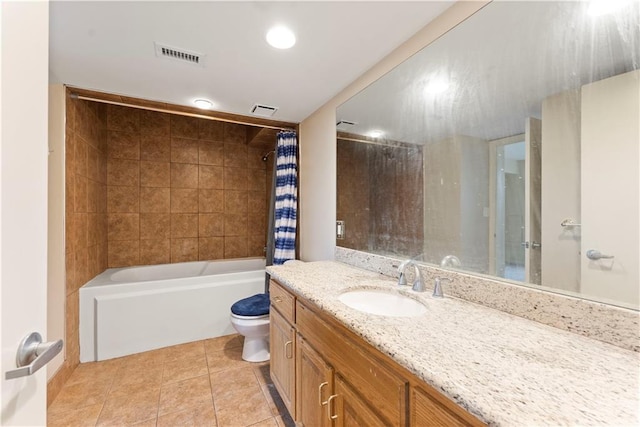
[{"x": 382, "y": 303}]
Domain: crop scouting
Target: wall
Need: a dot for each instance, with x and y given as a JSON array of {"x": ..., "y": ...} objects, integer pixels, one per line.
[
  {"x": 610, "y": 203},
  {"x": 85, "y": 217},
  {"x": 456, "y": 180},
  {"x": 182, "y": 189},
  {"x": 560, "y": 154},
  {"x": 56, "y": 289},
  {"x": 318, "y": 140},
  {"x": 380, "y": 194}
]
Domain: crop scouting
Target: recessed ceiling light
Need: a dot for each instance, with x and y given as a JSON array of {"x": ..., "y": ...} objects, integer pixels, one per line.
[
  {"x": 203, "y": 104},
  {"x": 605, "y": 7},
  {"x": 281, "y": 37},
  {"x": 436, "y": 86},
  {"x": 375, "y": 133}
]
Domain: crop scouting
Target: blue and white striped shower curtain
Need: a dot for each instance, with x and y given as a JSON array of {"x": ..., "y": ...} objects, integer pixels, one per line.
[{"x": 286, "y": 201}]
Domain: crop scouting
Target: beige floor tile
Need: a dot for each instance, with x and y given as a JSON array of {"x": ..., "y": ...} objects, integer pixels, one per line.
[
  {"x": 146, "y": 423},
  {"x": 227, "y": 359},
  {"x": 223, "y": 343},
  {"x": 187, "y": 394},
  {"x": 87, "y": 416},
  {"x": 229, "y": 379},
  {"x": 268, "y": 391},
  {"x": 178, "y": 352},
  {"x": 188, "y": 366},
  {"x": 94, "y": 371},
  {"x": 203, "y": 415},
  {"x": 148, "y": 359},
  {"x": 130, "y": 381},
  {"x": 76, "y": 396},
  {"x": 242, "y": 407},
  {"x": 262, "y": 374},
  {"x": 270, "y": 422},
  {"x": 130, "y": 409}
]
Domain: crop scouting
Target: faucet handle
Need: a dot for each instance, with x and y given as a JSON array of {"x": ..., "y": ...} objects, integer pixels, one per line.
[
  {"x": 437, "y": 288},
  {"x": 402, "y": 279}
]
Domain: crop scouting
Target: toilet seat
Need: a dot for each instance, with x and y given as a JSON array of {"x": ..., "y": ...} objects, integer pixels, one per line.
[{"x": 262, "y": 316}]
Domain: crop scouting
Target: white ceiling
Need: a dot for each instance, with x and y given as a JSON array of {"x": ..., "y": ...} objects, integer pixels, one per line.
[
  {"x": 501, "y": 64},
  {"x": 109, "y": 47}
]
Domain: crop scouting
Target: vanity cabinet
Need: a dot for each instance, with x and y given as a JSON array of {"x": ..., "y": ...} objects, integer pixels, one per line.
[
  {"x": 314, "y": 379},
  {"x": 282, "y": 355},
  {"x": 336, "y": 379}
]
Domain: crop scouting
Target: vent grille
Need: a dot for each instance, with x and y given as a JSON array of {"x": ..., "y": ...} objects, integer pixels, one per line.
[
  {"x": 263, "y": 110},
  {"x": 345, "y": 125},
  {"x": 164, "y": 51}
]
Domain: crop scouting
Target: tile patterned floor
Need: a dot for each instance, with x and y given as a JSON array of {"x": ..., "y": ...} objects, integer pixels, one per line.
[{"x": 203, "y": 383}]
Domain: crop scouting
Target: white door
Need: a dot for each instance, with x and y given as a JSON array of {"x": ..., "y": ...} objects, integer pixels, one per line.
[
  {"x": 611, "y": 188},
  {"x": 24, "y": 73}
]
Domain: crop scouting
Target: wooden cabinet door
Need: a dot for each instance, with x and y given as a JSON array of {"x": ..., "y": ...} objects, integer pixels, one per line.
[
  {"x": 314, "y": 385},
  {"x": 349, "y": 410},
  {"x": 282, "y": 365}
]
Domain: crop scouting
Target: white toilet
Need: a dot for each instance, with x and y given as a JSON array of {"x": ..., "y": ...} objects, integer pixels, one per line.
[{"x": 250, "y": 317}]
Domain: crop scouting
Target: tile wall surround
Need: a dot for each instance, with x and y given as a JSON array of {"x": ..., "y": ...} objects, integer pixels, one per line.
[
  {"x": 85, "y": 217},
  {"x": 607, "y": 323},
  {"x": 182, "y": 189}
]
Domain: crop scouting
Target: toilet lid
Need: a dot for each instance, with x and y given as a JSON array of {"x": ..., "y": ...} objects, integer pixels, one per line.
[{"x": 256, "y": 305}]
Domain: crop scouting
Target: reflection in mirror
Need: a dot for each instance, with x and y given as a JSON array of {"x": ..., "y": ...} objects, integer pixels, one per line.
[{"x": 510, "y": 144}]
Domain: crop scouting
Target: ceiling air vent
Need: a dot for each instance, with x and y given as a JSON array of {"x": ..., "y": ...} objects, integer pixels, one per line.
[
  {"x": 164, "y": 51},
  {"x": 345, "y": 124},
  {"x": 263, "y": 110}
]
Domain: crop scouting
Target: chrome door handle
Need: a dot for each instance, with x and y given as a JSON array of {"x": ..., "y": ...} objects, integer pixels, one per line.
[
  {"x": 33, "y": 354},
  {"x": 535, "y": 245},
  {"x": 525, "y": 245},
  {"x": 595, "y": 255}
]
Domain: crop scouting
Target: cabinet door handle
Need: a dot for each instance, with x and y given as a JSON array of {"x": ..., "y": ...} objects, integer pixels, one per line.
[
  {"x": 277, "y": 299},
  {"x": 331, "y": 416},
  {"x": 320, "y": 393},
  {"x": 288, "y": 354}
]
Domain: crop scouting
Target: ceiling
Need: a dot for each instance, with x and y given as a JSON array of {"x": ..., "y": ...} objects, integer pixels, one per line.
[
  {"x": 109, "y": 47},
  {"x": 501, "y": 64}
]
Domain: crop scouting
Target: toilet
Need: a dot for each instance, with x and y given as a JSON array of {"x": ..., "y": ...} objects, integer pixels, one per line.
[{"x": 250, "y": 317}]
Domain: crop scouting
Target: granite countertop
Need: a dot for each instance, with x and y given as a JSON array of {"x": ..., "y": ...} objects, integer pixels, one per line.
[{"x": 504, "y": 369}]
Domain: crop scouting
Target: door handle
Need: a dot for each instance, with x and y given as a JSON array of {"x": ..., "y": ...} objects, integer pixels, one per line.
[
  {"x": 33, "y": 354},
  {"x": 329, "y": 414},
  {"x": 288, "y": 354},
  {"x": 595, "y": 255},
  {"x": 535, "y": 245},
  {"x": 320, "y": 393}
]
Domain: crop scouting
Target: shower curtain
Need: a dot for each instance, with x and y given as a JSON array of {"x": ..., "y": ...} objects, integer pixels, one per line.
[{"x": 286, "y": 198}]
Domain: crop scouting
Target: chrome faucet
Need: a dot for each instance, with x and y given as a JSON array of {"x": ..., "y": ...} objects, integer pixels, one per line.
[
  {"x": 437, "y": 288},
  {"x": 450, "y": 261},
  {"x": 418, "y": 283}
]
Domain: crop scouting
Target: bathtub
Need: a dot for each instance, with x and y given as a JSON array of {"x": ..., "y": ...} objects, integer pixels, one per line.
[{"x": 130, "y": 310}]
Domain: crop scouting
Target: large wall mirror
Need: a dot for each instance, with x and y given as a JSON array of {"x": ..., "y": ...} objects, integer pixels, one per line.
[{"x": 509, "y": 147}]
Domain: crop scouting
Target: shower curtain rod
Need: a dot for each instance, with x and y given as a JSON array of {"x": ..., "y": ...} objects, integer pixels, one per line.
[{"x": 181, "y": 113}]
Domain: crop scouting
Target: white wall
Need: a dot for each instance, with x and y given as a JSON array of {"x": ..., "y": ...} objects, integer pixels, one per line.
[
  {"x": 561, "y": 190},
  {"x": 318, "y": 140},
  {"x": 55, "y": 247},
  {"x": 610, "y": 208}
]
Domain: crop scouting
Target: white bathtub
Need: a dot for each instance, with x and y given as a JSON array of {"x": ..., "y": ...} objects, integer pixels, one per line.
[{"x": 129, "y": 310}]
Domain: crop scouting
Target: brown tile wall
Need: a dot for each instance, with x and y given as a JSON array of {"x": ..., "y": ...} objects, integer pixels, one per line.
[
  {"x": 182, "y": 189},
  {"x": 380, "y": 194},
  {"x": 85, "y": 217}
]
